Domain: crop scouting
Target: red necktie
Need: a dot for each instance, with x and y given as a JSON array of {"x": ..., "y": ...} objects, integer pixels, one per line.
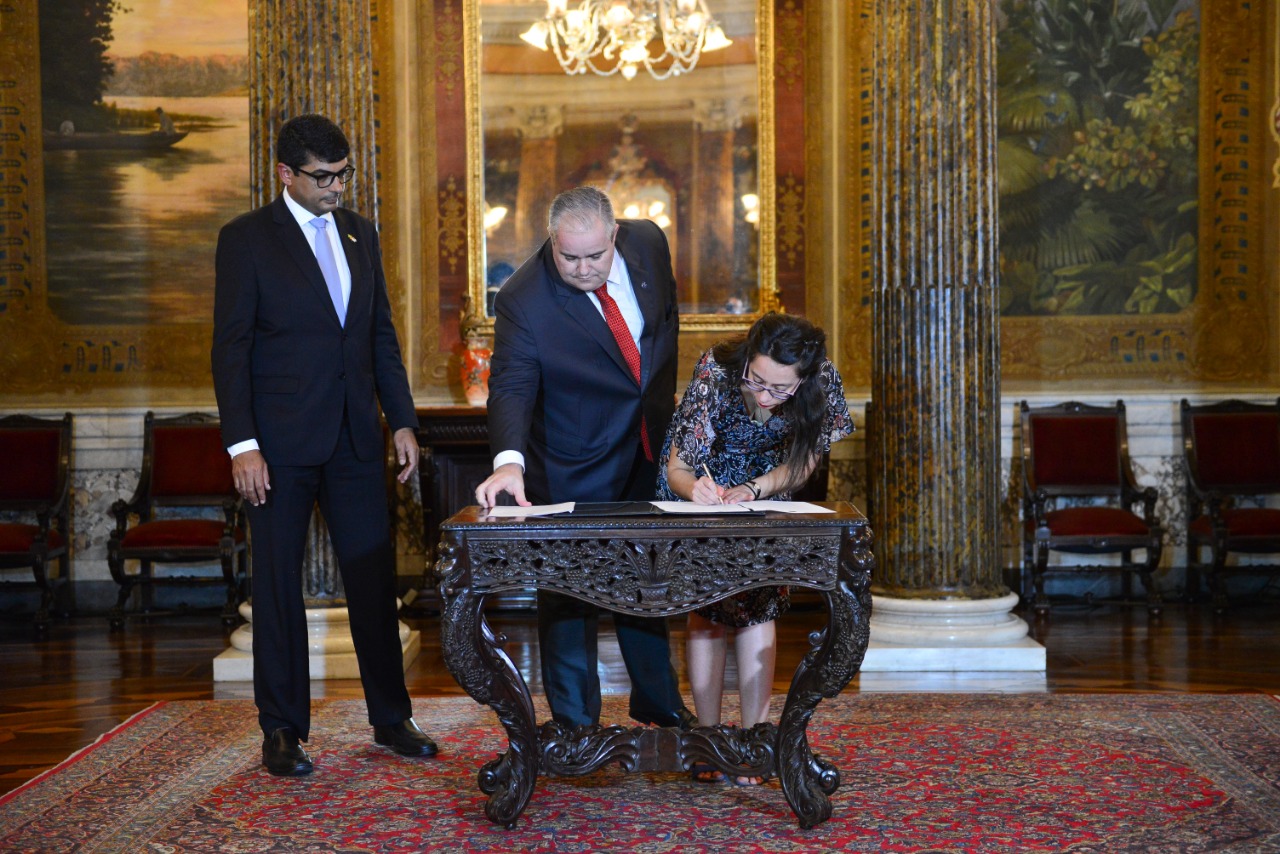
[{"x": 627, "y": 344}]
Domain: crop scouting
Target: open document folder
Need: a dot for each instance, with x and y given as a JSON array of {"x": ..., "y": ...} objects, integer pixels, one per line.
[{"x": 653, "y": 508}]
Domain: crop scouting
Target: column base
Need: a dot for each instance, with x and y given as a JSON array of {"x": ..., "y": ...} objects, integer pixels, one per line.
[
  {"x": 331, "y": 651},
  {"x": 949, "y": 635}
]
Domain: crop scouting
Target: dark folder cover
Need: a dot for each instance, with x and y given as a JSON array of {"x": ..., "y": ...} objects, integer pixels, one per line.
[
  {"x": 597, "y": 509},
  {"x": 614, "y": 508}
]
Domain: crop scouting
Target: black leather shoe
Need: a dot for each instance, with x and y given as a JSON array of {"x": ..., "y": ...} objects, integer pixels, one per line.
[
  {"x": 406, "y": 739},
  {"x": 283, "y": 755},
  {"x": 682, "y": 718}
]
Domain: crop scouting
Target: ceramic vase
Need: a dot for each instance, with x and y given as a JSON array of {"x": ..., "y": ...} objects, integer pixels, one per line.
[{"x": 475, "y": 371}]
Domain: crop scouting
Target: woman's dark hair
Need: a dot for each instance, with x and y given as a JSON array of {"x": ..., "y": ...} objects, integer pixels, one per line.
[
  {"x": 307, "y": 136},
  {"x": 788, "y": 340}
]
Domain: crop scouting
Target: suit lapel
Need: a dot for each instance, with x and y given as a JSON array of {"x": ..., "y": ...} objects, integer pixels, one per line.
[
  {"x": 351, "y": 248},
  {"x": 578, "y": 306}
]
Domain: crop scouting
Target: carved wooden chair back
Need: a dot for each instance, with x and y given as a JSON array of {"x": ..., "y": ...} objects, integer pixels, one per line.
[
  {"x": 1231, "y": 452},
  {"x": 185, "y": 472},
  {"x": 35, "y": 489},
  {"x": 1080, "y": 495}
]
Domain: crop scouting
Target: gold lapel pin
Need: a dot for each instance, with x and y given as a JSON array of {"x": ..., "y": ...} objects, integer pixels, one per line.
[{"x": 351, "y": 237}]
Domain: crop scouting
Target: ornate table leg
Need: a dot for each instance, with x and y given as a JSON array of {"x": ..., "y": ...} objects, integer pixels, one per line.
[
  {"x": 475, "y": 658},
  {"x": 834, "y": 657}
]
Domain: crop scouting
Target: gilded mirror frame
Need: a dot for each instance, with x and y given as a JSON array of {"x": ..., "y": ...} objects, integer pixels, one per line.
[{"x": 476, "y": 322}]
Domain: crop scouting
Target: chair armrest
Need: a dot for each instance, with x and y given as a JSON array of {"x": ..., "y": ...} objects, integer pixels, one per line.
[
  {"x": 122, "y": 510},
  {"x": 1149, "y": 497},
  {"x": 1216, "y": 502},
  {"x": 233, "y": 510},
  {"x": 1038, "y": 506}
]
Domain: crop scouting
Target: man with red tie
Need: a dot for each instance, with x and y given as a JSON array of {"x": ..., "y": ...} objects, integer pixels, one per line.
[{"x": 581, "y": 390}]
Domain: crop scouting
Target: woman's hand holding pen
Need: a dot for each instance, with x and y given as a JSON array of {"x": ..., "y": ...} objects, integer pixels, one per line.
[{"x": 706, "y": 490}]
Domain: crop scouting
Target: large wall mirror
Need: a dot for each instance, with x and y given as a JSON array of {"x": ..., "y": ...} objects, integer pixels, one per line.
[{"x": 692, "y": 151}]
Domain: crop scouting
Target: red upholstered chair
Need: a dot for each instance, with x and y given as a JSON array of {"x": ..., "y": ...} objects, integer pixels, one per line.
[
  {"x": 1232, "y": 452},
  {"x": 35, "y": 484},
  {"x": 185, "y": 471},
  {"x": 1079, "y": 495}
]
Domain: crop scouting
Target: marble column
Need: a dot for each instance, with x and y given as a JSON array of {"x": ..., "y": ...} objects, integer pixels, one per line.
[
  {"x": 939, "y": 602},
  {"x": 311, "y": 56}
]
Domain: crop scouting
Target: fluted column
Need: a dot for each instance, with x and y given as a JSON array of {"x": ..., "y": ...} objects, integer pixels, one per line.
[
  {"x": 312, "y": 56},
  {"x": 936, "y": 369}
]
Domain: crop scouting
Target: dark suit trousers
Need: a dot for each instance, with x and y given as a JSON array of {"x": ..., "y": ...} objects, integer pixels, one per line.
[
  {"x": 353, "y": 500},
  {"x": 567, "y": 632}
]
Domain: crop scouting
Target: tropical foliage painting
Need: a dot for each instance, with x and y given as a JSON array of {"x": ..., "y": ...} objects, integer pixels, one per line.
[{"x": 1098, "y": 120}]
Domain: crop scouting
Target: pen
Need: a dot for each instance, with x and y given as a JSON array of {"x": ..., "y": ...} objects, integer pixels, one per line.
[{"x": 709, "y": 477}]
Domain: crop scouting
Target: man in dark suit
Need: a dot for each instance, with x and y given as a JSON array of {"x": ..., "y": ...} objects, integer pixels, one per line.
[
  {"x": 303, "y": 353},
  {"x": 577, "y": 414}
]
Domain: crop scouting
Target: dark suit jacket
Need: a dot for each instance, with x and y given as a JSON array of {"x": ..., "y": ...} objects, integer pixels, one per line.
[
  {"x": 560, "y": 391},
  {"x": 284, "y": 370}
]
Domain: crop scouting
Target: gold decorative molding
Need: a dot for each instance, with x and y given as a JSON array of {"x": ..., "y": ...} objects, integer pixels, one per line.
[
  {"x": 1275, "y": 87},
  {"x": 791, "y": 222},
  {"x": 440, "y": 67},
  {"x": 452, "y": 204}
]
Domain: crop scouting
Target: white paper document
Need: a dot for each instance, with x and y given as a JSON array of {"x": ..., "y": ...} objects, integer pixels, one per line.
[{"x": 532, "y": 510}]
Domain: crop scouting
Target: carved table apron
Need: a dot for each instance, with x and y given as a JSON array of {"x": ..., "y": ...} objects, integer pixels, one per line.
[{"x": 655, "y": 566}]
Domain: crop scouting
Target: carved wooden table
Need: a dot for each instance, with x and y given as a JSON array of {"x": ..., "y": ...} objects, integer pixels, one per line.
[{"x": 655, "y": 566}]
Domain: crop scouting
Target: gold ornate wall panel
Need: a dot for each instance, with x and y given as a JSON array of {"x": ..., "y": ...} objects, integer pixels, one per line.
[
  {"x": 853, "y": 282},
  {"x": 445, "y": 82},
  {"x": 1228, "y": 334},
  {"x": 21, "y": 181}
]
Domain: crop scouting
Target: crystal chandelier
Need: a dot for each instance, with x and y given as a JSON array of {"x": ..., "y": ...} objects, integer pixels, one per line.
[
  {"x": 612, "y": 36},
  {"x": 633, "y": 191}
]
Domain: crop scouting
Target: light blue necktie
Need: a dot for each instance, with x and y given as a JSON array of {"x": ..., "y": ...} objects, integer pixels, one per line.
[{"x": 329, "y": 266}]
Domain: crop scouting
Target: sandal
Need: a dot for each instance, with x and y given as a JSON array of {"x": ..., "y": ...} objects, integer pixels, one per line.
[
  {"x": 745, "y": 782},
  {"x": 703, "y": 772}
]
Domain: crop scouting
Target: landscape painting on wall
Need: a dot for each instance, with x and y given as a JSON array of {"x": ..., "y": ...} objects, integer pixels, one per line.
[
  {"x": 145, "y": 115},
  {"x": 1098, "y": 152}
]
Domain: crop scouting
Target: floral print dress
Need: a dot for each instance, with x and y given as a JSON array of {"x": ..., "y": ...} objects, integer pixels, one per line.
[{"x": 713, "y": 426}]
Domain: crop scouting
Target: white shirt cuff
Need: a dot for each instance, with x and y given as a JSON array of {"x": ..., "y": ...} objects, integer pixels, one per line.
[
  {"x": 240, "y": 447},
  {"x": 508, "y": 457}
]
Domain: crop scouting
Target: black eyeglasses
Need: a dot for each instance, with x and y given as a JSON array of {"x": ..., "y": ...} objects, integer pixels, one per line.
[
  {"x": 324, "y": 179},
  {"x": 761, "y": 387}
]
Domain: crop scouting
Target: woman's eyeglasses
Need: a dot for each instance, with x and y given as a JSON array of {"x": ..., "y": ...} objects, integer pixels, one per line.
[{"x": 752, "y": 385}]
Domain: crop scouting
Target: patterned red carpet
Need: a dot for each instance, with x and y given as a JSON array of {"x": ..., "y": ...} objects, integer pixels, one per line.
[{"x": 921, "y": 772}]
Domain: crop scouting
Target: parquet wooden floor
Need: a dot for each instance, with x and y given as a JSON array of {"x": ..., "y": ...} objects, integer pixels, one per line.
[{"x": 58, "y": 694}]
